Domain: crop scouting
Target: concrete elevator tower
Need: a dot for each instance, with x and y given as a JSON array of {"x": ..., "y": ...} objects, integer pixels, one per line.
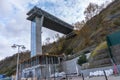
[
  {"x": 40, "y": 18},
  {"x": 36, "y": 43},
  {"x": 40, "y": 66}
]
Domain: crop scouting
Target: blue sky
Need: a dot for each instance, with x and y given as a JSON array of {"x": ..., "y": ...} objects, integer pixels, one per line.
[{"x": 14, "y": 28}]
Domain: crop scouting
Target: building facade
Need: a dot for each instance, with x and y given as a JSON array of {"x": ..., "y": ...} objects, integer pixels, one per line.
[{"x": 41, "y": 66}]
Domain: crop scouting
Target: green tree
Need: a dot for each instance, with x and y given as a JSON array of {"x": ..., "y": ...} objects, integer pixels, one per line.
[
  {"x": 68, "y": 51},
  {"x": 91, "y": 11},
  {"x": 82, "y": 59}
]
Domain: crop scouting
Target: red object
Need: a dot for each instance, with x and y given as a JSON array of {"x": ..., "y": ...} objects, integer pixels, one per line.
[{"x": 115, "y": 69}]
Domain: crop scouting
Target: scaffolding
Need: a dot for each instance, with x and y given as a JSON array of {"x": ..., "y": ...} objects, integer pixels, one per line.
[{"x": 39, "y": 67}]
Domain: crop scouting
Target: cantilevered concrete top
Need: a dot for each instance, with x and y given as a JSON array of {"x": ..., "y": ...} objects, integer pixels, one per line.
[{"x": 50, "y": 21}]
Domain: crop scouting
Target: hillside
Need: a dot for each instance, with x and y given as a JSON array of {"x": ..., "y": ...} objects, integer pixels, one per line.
[
  {"x": 8, "y": 65},
  {"x": 93, "y": 33}
]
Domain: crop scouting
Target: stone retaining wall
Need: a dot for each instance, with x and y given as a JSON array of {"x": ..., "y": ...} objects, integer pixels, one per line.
[
  {"x": 116, "y": 53},
  {"x": 101, "y": 59}
]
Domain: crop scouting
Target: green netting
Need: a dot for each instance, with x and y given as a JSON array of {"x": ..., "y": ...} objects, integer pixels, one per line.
[{"x": 113, "y": 39}]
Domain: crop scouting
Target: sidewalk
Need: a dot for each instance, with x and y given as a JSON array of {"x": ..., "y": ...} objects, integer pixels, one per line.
[{"x": 95, "y": 78}]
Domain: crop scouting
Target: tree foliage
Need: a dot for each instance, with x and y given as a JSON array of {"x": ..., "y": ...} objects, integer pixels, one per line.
[
  {"x": 91, "y": 11},
  {"x": 47, "y": 40},
  {"x": 82, "y": 59},
  {"x": 78, "y": 25},
  {"x": 68, "y": 51}
]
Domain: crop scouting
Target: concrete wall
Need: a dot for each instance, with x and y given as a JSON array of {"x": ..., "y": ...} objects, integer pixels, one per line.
[
  {"x": 102, "y": 59},
  {"x": 71, "y": 66},
  {"x": 86, "y": 72}
]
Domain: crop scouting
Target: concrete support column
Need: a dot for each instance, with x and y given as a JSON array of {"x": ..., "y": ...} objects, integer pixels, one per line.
[
  {"x": 59, "y": 60},
  {"x": 39, "y": 24},
  {"x": 77, "y": 71},
  {"x": 49, "y": 60},
  {"x": 49, "y": 70}
]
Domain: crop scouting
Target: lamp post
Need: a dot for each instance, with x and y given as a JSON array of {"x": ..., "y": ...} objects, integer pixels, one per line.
[{"x": 18, "y": 47}]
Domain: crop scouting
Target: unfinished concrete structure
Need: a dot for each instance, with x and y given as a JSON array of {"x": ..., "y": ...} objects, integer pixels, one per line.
[
  {"x": 41, "y": 66},
  {"x": 39, "y": 19}
]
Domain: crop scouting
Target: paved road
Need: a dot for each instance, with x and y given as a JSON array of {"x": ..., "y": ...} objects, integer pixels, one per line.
[
  {"x": 96, "y": 78},
  {"x": 103, "y": 78}
]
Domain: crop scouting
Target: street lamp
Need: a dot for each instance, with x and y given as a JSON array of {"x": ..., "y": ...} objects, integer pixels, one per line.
[{"x": 18, "y": 47}]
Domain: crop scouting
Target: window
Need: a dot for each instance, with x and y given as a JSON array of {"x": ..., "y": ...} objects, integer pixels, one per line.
[{"x": 33, "y": 38}]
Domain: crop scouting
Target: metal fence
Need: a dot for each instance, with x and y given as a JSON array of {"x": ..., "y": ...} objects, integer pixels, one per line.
[
  {"x": 6, "y": 78},
  {"x": 81, "y": 77}
]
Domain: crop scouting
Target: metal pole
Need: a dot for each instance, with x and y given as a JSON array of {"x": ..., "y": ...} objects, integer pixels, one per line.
[
  {"x": 66, "y": 69},
  {"x": 83, "y": 76},
  {"x": 105, "y": 75},
  {"x": 52, "y": 63},
  {"x": 49, "y": 65},
  {"x": 17, "y": 68},
  {"x": 77, "y": 71},
  {"x": 66, "y": 77},
  {"x": 54, "y": 67},
  {"x": 45, "y": 67},
  {"x": 17, "y": 63}
]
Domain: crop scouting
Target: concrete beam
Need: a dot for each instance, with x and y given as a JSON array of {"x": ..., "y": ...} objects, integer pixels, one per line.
[
  {"x": 50, "y": 21},
  {"x": 39, "y": 23}
]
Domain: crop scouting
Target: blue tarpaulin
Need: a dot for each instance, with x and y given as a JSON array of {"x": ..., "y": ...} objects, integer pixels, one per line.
[{"x": 2, "y": 76}]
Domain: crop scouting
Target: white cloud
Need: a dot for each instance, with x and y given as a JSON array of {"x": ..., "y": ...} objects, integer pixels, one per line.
[
  {"x": 14, "y": 28},
  {"x": 6, "y": 8}
]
